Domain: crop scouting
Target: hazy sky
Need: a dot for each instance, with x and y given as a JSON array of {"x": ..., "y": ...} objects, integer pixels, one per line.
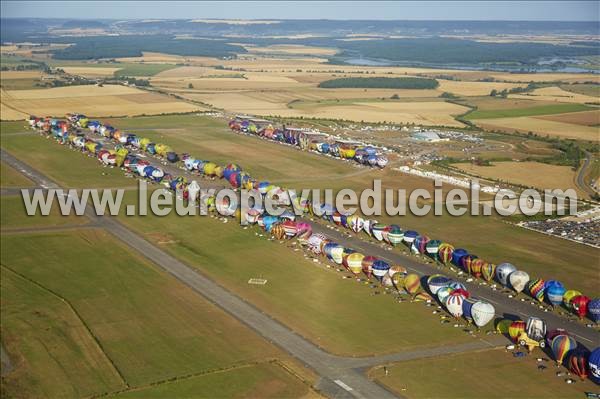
[{"x": 400, "y": 10}]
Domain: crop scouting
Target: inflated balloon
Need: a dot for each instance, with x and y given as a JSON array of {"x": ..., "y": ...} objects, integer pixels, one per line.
[
  {"x": 482, "y": 313},
  {"x": 278, "y": 231},
  {"x": 488, "y": 271},
  {"x": 457, "y": 255},
  {"x": 443, "y": 293},
  {"x": 536, "y": 289},
  {"x": 580, "y": 305},
  {"x": 337, "y": 254},
  {"x": 570, "y": 294},
  {"x": 594, "y": 365},
  {"x": 593, "y": 308},
  {"x": 380, "y": 269},
  {"x": 550, "y": 335},
  {"x": 445, "y": 253},
  {"x": 460, "y": 291},
  {"x": 518, "y": 280},
  {"x": 354, "y": 262},
  {"x": 436, "y": 282},
  {"x": 367, "y": 265},
  {"x": 398, "y": 280},
  {"x": 420, "y": 243},
  {"x": 561, "y": 345},
  {"x": 515, "y": 329},
  {"x": 577, "y": 363},
  {"x": 503, "y": 270},
  {"x": 454, "y": 304},
  {"x": 467, "y": 308},
  {"x": 397, "y": 269},
  {"x": 409, "y": 237},
  {"x": 554, "y": 292},
  {"x": 503, "y": 325},
  {"x": 395, "y": 235},
  {"x": 476, "y": 267},
  {"x": 432, "y": 248},
  {"x": 412, "y": 283},
  {"x": 455, "y": 285},
  {"x": 377, "y": 231},
  {"x": 466, "y": 262}
]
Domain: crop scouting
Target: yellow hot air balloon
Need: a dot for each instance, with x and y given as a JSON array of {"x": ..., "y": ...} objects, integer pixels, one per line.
[
  {"x": 278, "y": 231},
  {"x": 503, "y": 325},
  {"x": 412, "y": 283},
  {"x": 209, "y": 168}
]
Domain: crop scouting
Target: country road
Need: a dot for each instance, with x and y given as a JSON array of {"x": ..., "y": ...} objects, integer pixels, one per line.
[
  {"x": 580, "y": 179},
  {"x": 340, "y": 376}
]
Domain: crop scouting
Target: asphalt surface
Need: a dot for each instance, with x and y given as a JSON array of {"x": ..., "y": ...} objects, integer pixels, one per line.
[
  {"x": 582, "y": 172},
  {"x": 340, "y": 376}
]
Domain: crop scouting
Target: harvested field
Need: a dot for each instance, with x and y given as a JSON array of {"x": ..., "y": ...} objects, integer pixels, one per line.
[
  {"x": 94, "y": 101},
  {"x": 546, "y": 77},
  {"x": 536, "y": 174},
  {"x": 92, "y": 72},
  {"x": 5, "y": 75},
  {"x": 540, "y": 126},
  {"x": 292, "y": 49},
  {"x": 10, "y": 114},
  {"x": 462, "y": 88},
  {"x": 586, "y": 118},
  {"x": 556, "y": 94}
]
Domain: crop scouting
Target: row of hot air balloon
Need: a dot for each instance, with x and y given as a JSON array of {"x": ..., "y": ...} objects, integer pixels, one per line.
[
  {"x": 308, "y": 140},
  {"x": 505, "y": 273},
  {"x": 552, "y": 291}
]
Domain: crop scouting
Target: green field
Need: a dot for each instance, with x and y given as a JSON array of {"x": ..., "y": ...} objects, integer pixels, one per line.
[
  {"x": 13, "y": 215},
  {"x": 260, "y": 381},
  {"x": 10, "y": 177},
  {"x": 583, "y": 88},
  {"x": 91, "y": 303},
  {"x": 140, "y": 69},
  {"x": 489, "y": 374},
  {"x": 530, "y": 111}
]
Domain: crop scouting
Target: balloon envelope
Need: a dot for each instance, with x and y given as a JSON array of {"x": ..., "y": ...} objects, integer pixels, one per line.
[
  {"x": 483, "y": 313},
  {"x": 554, "y": 292},
  {"x": 594, "y": 365},
  {"x": 593, "y": 308},
  {"x": 518, "y": 280},
  {"x": 412, "y": 283},
  {"x": 503, "y": 270},
  {"x": 561, "y": 345},
  {"x": 454, "y": 304},
  {"x": 515, "y": 329}
]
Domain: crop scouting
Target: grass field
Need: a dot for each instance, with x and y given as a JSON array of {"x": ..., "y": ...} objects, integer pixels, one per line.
[
  {"x": 492, "y": 373},
  {"x": 540, "y": 126},
  {"x": 113, "y": 308},
  {"x": 14, "y": 216},
  {"x": 139, "y": 69},
  {"x": 530, "y": 111},
  {"x": 10, "y": 177},
  {"x": 534, "y": 174},
  {"x": 554, "y": 93},
  {"x": 582, "y": 88},
  {"x": 585, "y": 118},
  {"x": 92, "y": 100}
]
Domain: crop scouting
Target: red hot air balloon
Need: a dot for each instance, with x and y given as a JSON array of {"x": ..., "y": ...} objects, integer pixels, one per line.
[
  {"x": 580, "y": 304},
  {"x": 577, "y": 363}
]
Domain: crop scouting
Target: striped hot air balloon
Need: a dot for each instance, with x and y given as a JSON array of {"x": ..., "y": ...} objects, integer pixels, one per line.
[
  {"x": 412, "y": 283},
  {"x": 377, "y": 231},
  {"x": 561, "y": 346},
  {"x": 380, "y": 269},
  {"x": 354, "y": 262},
  {"x": 436, "y": 282},
  {"x": 420, "y": 243},
  {"x": 395, "y": 235},
  {"x": 515, "y": 329},
  {"x": 454, "y": 304},
  {"x": 477, "y": 267},
  {"x": 445, "y": 253},
  {"x": 432, "y": 249},
  {"x": 409, "y": 237},
  {"x": 290, "y": 228},
  {"x": 367, "y": 265},
  {"x": 536, "y": 289},
  {"x": 577, "y": 363},
  {"x": 443, "y": 293},
  {"x": 278, "y": 231}
]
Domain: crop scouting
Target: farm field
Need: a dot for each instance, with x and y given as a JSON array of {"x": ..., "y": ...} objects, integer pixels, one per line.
[
  {"x": 105, "y": 314},
  {"x": 91, "y": 71},
  {"x": 495, "y": 372},
  {"x": 92, "y": 100},
  {"x": 585, "y": 118},
  {"x": 540, "y": 126},
  {"x": 10, "y": 177},
  {"x": 529, "y": 111},
  {"x": 535, "y": 174},
  {"x": 554, "y": 93}
]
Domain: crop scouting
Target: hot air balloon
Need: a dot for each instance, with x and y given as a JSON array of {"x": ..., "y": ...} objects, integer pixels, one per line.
[
  {"x": 577, "y": 363},
  {"x": 395, "y": 235},
  {"x": 580, "y": 305},
  {"x": 412, "y": 283},
  {"x": 454, "y": 304},
  {"x": 550, "y": 335},
  {"x": 436, "y": 282},
  {"x": 467, "y": 308},
  {"x": 466, "y": 262},
  {"x": 477, "y": 267},
  {"x": 503, "y": 270},
  {"x": 422, "y": 297},
  {"x": 594, "y": 365},
  {"x": 445, "y": 253},
  {"x": 409, "y": 237},
  {"x": 570, "y": 294},
  {"x": 593, "y": 308},
  {"x": 398, "y": 280},
  {"x": 432, "y": 249},
  {"x": 536, "y": 289},
  {"x": 455, "y": 285},
  {"x": 482, "y": 313},
  {"x": 460, "y": 291},
  {"x": 367, "y": 265},
  {"x": 518, "y": 280},
  {"x": 380, "y": 269},
  {"x": 354, "y": 262},
  {"x": 442, "y": 294},
  {"x": 554, "y": 292},
  {"x": 420, "y": 243},
  {"x": 515, "y": 329},
  {"x": 377, "y": 231},
  {"x": 457, "y": 255},
  {"x": 503, "y": 325},
  {"x": 561, "y": 346},
  {"x": 278, "y": 231}
]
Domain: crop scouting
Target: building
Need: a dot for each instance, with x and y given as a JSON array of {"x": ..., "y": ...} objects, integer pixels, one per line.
[{"x": 428, "y": 136}]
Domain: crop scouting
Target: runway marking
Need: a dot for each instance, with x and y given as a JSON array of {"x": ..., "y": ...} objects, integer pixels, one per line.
[{"x": 343, "y": 385}]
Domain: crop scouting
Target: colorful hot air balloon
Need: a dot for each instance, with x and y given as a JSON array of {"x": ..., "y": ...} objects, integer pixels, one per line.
[
  {"x": 278, "y": 231},
  {"x": 442, "y": 294},
  {"x": 395, "y": 235},
  {"x": 477, "y": 267},
  {"x": 561, "y": 346},
  {"x": 420, "y": 243},
  {"x": 445, "y": 253},
  {"x": 580, "y": 305},
  {"x": 570, "y": 294},
  {"x": 503, "y": 270},
  {"x": 460, "y": 291},
  {"x": 466, "y": 262},
  {"x": 377, "y": 231},
  {"x": 483, "y": 313},
  {"x": 488, "y": 271},
  {"x": 577, "y": 363},
  {"x": 432, "y": 249},
  {"x": 593, "y": 308},
  {"x": 422, "y": 297},
  {"x": 454, "y": 304},
  {"x": 594, "y": 365},
  {"x": 409, "y": 237},
  {"x": 455, "y": 285},
  {"x": 503, "y": 326},
  {"x": 436, "y": 282},
  {"x": 515, "y": 329},
  {"x": 536, "y": 289},
  {"x": 412, "y": 283},
  {"x": 550, "y": 335},
  {"x": 518, "y": 280},
  {"x": 380, "y": 269},
  {"x": 457, "y": 254},
  {"x": 354, "y": 262},
  {"x": 554, "y": 292},
  {"x": 367, "y": 265}
]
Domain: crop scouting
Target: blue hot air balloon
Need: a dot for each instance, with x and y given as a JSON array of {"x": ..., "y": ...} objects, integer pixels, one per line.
[
  {"x": 593, "y": 309},
  {"x": 594, "y": 364},
  {"x": 554, "y": 292},
  {"x": 380, "y": 268},
  {"x": 457, "y": 255},
  {"x": 467, "y": 306}
]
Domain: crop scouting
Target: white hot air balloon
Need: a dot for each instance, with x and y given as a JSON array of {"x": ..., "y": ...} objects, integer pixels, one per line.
[
  {"x": 482, "y": 313},
  {"x": 518, "y": 280}
]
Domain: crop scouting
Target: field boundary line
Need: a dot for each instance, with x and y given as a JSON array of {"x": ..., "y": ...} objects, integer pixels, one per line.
[{"x": 70, "y": 306}]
